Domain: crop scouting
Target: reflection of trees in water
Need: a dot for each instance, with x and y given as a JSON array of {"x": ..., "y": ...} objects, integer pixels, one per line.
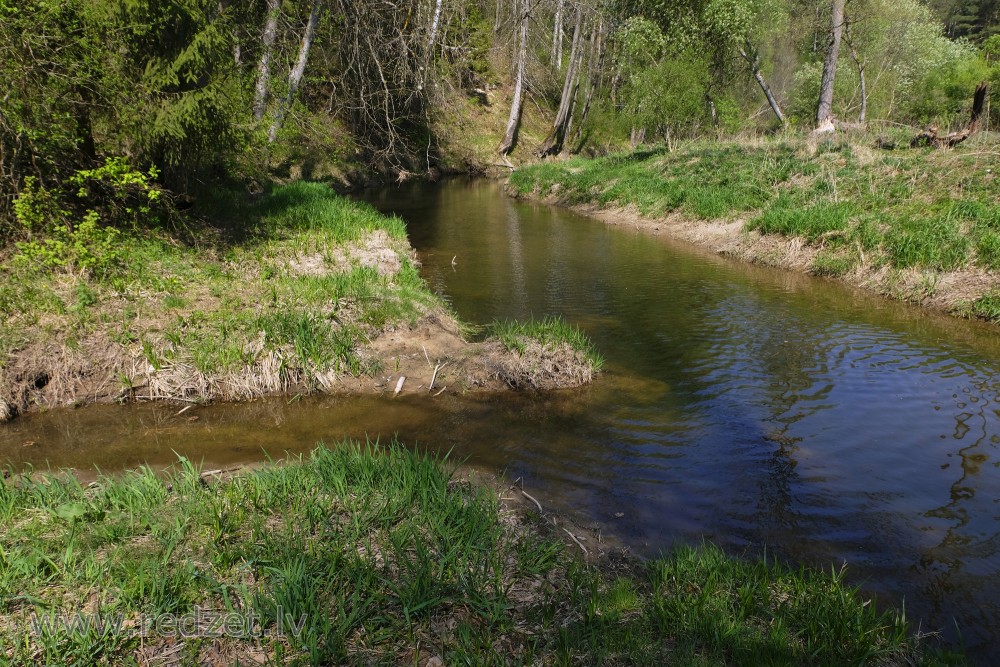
[
  {"x": 775, "y": 365},
  {"x": 956, "y": 570}
]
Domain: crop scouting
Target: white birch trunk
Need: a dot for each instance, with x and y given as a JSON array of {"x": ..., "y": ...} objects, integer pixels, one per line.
[
  {"x": 295, "y": 77},
  {"x": 824, "y": 110},
  {"x": 264, "y": 67},
  {"x": 553, "y": 144}
]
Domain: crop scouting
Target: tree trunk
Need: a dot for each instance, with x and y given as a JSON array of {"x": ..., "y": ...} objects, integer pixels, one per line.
[
  {"x": 637, "y": 136},
  {"x": 295, "y": 77},
  {"x": 264, "y": 67},
  {"x": 554, "y": 143},
  {"x": 434, "y": 27},
  {"x": 931, "y": 138},
  {"x": 517, "y": 103},
  {"x": 824, "y": 110},
  {"x": 595, "y": 63},
  {"x": 557, "y": 35},
  {"x": 754, "y": 62},
  {"x": 861, "y": 73}
]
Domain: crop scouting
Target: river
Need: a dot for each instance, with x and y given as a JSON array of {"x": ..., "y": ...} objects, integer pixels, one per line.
[{"x": 752, "y": 407}]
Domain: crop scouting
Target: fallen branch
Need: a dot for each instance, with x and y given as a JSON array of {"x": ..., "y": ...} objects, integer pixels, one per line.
[
  {"x": 578, "y": 542},
  {"x": 532, "y": 499}
]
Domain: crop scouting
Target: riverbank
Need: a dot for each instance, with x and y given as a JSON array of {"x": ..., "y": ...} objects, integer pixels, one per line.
[
  {"x": 367, "y": 554},
  {"x": 293, "y": 291},
  {"x": 917, "y": 225}
]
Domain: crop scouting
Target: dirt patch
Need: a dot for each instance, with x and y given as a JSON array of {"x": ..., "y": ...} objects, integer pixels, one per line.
[
  {"x": 433, "y": 357},
  {"x": 375, "y": 250},
  {"x": 950, "y": 291},
  {"x": 46, "y": 375}
]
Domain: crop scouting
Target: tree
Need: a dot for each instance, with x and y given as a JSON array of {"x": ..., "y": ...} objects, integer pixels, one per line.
[
  {"x": 264, "y": 68},
  {"x": 824, "y": 110},
  {"x": 295, "y": 76},
  {"x": 554, "y": 143},
  {"x": 517, "y": 100}
]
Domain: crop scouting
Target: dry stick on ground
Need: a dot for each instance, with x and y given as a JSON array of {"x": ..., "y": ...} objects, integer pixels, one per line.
[
  {"x": 532, "y": 499},
  {"x": 437, "y": 368},
  {"x": 578, "y": 542},
  {"x": 540, "y": 511}
]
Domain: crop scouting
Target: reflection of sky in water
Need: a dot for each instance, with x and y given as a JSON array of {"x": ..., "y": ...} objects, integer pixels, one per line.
[{"x": 749, "y": 406}]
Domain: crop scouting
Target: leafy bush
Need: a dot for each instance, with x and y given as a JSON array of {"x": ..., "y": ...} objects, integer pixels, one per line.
[{"x": 80, "y": 230}]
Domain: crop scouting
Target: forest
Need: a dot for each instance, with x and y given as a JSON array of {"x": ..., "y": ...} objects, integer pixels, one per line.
[
  {"x": 116, "y": 113},
  {"x": 188, "y": 216}
]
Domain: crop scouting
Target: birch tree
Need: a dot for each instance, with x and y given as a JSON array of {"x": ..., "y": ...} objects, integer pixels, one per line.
[
  {"x": 264, "y": 66},
  {"x": 295, "y": 76},
  {"x": 517, "y": 101},
  {"x": 554, "y": 143}
]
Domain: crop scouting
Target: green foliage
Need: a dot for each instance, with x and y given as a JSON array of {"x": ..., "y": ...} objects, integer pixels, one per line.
[
  {"x": 368, "y": 550},
  {"x": 664, "y": 90},
  {"x": 76, "y": 227},
  {"x": 85, "y": 245}
]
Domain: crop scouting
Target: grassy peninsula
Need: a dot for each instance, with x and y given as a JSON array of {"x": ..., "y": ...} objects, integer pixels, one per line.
[
  {"x": 916, "y": 224},
  {"x": 363, "y": 554},
  {"x": 294, "y": 290}
]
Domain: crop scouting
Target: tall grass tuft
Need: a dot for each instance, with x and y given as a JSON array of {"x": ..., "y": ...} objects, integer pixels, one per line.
[{"x": 552, "y": 331}]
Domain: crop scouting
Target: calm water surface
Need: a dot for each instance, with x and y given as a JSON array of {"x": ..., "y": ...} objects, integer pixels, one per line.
[{"x": 743, "y": 405}]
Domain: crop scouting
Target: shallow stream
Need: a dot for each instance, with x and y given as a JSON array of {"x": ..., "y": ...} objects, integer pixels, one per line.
[{"x": 740, "y": 404}]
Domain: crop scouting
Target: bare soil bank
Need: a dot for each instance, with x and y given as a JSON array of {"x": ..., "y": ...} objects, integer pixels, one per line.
[{"x": 431, "y": 357}]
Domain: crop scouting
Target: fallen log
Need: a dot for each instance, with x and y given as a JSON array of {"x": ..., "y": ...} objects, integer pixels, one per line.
[{"x": 930, "y": 136}]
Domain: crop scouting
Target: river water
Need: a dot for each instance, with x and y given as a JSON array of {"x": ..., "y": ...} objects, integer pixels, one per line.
[{"x": 747, "y": 406}]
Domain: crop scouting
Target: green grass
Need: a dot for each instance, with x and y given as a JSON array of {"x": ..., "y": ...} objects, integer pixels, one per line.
[
  {"x": 932, "y": 210},
  {"x": 379, "y": 555},
  {"x": 987, "y": 306},
  {"x": 548, "y": 332},
  {"x": 294, "y": 272}
]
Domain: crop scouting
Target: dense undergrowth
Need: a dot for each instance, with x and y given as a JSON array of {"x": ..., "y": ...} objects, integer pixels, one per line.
[
  {"x": 379, "y": 555},
  {"x": 861, "y": 206}
]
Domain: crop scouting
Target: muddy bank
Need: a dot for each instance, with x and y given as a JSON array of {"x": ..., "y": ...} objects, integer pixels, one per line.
[
  {"x": 429, "y": 357},
  {"x": 951, "y": 292}
]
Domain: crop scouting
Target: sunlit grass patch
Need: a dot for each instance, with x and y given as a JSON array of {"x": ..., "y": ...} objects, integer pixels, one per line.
[
  {"x": 934, "y": 242},
  {"x": 832, "y": 263},
  {"x": 370, "y": 554},
  {"x": 987, "y": 306},
  {"x": 282, "y": 290},
  {"x": 548, "y": 332},
  {"x": 810, "y": 222},
  {"x": 911, "y": 209}
]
